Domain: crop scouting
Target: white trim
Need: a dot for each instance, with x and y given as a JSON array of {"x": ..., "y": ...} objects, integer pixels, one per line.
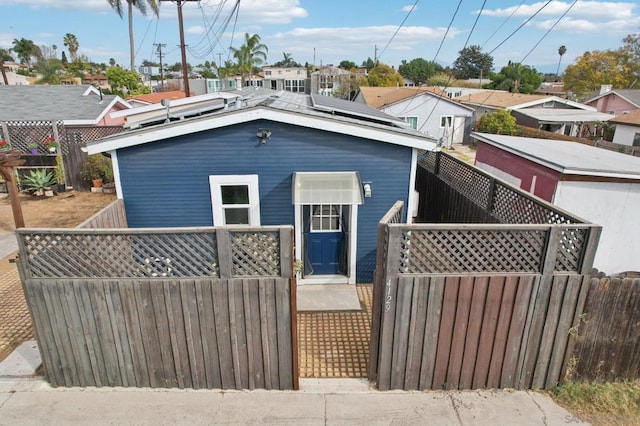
[
  {"x": 116, "y": 174},
  {"x": 297, "y": 225},
  {"x": 552, "y": 99},
  {"x": 412, "y": 185},
  {"x": 216, "y": 181},
  {"x": 230, "y": 118},
  {"x": 353, "y": 243},
  {"x": 93, "y": 122},
  {"x": 325, "y": 279}
]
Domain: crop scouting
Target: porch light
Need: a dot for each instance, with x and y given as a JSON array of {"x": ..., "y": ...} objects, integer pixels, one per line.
[
  {"x": 367, "y": 189},
  {"x": 263, "y": 135}
]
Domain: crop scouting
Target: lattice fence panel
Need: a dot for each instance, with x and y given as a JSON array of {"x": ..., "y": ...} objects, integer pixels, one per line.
[
  {"x": 24, "y": 133},
  {"x": 571, "y": 249},
  {"x": 255, "y": 253},
  {"x": 451, "y": 250},
  {"x": 121, "y": 255},
  {"x": 512, "y": 207},
  {"x": 465, "y": 180},
  {"x": 427, "y": 159},
  {"x": 82, "y": 135}
]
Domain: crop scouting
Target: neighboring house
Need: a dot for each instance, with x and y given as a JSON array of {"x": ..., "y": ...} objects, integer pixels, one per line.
[
  {"x": 291, "y": 79},
  {"x": 73, "y": 105},
  {"x": 154, "y": 98},
  {"x": 549, "y": 113},
  {"x": 627, "y": 129},
  {"x": 427, "y": 109},
  {"x": 326, "y": 79},
  {"x": 598, "y": 185},
  {"x": 617, "y": 102},
  {"x": 98, "y": 80},
  {"x": 330, "y": 167},
  {"x": 456, "y": 92},
  {"x": 13, "y": 78}
]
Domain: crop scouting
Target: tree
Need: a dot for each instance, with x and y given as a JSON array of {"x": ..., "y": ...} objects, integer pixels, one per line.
[
  {"x": 49, "y": 70},
  {"x": 287, "y": 61},
  {"x": 499, "y": 122},
  {"x": 472, "y": 63},
  {"x": 632, "y": 48},
  {"x": 368, "y": 64},
  {"x": 25, "y": 50},
  {"x": 349, "y": 86},
  {"x": 251, "y": 54},
  {"x": 561, "y": 51},
  {"x": 71, "y": 42},
  {"x": 383, "y": 75},
  {"x": 5, "y": 55},
  {"x": 141, "y": 5},
  {"x": 64, "y": 59},
  {"x": 516, "y": 78},
  {"x": 599, "y": 67},
  {"x": 125, "y": 83},
  {"x": 112, "y": 62},
  {"x": 419, "y": 70},
  {"x": 347, "y": 65}
]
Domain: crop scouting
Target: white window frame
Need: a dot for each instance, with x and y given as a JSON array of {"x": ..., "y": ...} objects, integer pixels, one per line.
[
  {"x": 406, "y": 120},
  {"x": 217, "y": 181},
  {"x": 321, "y": 216}
]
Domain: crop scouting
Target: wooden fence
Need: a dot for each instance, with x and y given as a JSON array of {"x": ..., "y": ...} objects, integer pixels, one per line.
[
  {"x": 477, "y": 331},
  {"x": 608, "y": 341},
  {"x": 112, "y": 216},
  {"x": 193, "y": 308},
  {"x": 477, "y": 305},
  {"x": 21, "y": 134}
]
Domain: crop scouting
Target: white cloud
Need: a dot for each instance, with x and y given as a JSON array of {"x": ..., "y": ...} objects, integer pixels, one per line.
[
  {"x": 59, "y": 4},
  {"x": 408, "y": 8},
  {"x": 590, "y": 9},
  {"x": 252, "y": 12},
  {"x": 196, "y": 30}
]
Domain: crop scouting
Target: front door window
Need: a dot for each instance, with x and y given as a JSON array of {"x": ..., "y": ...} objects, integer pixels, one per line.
[{"x": 326, "y": 217}]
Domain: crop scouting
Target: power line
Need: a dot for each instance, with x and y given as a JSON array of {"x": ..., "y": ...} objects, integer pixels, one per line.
[
  {"x": 549, "y": 30},
  {"x": 398, "y": 29},
  {"x": 522, "y": 25},
  {"x": 447, "y": 32},
  {"x": 503, "y": 22}
]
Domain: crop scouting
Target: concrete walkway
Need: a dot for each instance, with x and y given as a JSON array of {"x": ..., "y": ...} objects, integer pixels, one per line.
[
  {"x": 8, "y": 243},
  {"x": 320, "y": 402}
]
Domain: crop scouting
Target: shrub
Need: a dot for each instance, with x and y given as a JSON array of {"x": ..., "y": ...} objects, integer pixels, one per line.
[
  {"x": 97, "y": 166},
  {"x": 37, "y": 181},
  {"x": 499, "y": 122}
]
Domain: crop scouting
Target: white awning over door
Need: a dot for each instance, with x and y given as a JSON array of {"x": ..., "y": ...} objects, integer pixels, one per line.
[{"x": 327, "y": 188}]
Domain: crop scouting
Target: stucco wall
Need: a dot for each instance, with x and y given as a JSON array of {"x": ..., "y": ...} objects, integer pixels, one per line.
[
  {"x": 615, "y": 207},
  {"x": 624, "y": 134}
]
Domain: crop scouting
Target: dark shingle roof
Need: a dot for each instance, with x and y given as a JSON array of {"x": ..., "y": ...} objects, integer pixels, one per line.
[{"x": 51, "y": 103}]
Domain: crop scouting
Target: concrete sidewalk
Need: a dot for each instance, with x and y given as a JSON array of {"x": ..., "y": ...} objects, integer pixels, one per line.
[{"x": 320, "y": 402}]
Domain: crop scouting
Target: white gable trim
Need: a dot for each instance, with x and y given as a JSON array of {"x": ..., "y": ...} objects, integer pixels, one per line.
[
  {"x": 231, "y": 118},
  {"x": 553, "y": 99},
  {"x": 93, "y": 122}
]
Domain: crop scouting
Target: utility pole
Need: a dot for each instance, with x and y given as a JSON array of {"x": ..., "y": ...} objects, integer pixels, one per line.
[
  {"x": 375, "y": 54},
  {"x": 219, "y": 63},
  {"x": 159, "y": 49},
  {"x": 185, "y": 73}
]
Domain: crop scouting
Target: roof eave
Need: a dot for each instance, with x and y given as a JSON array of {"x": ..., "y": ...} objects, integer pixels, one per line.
[{"x": 257, "y": 113}]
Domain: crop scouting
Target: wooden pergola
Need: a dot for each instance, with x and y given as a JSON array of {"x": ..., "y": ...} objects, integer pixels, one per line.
[{"x": 9, "y": 159}]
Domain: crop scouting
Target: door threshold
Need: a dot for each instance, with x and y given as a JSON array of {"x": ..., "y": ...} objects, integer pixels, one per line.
[{"x": 325, "y": 279}]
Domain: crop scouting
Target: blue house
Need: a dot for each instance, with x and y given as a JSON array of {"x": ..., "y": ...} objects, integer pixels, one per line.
[{"x": 332, "y": 168}]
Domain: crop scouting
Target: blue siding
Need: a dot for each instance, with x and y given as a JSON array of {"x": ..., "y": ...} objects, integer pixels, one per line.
[{"x": 166, "y": 183}]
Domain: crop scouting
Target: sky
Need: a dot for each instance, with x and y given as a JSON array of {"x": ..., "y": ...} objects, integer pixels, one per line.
[{"x": 325, "y": 32}]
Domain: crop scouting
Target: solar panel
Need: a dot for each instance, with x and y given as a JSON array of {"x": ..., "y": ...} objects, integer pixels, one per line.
[{"x": 353, "y": 109}]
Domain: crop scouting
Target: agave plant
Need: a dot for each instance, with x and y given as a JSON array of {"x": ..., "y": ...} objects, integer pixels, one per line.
[{"x": 37, "y": 181}]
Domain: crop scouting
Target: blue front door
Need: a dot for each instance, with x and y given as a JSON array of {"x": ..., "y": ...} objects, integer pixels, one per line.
[{"x": 325, "y": 238}]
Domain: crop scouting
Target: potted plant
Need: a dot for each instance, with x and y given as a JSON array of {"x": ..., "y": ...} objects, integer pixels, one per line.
[
  {"x": 38, "y": 181},
  {"x": 33, "y": 147},
  {"x": 96, "y": 168},
  {"x": 59, "y": 174},
  {"x": 3, "y": 144},
  {"x": 51, "y": 144}
]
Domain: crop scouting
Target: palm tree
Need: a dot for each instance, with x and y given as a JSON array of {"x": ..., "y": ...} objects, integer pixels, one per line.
[
  {"x": 141, "y": 5},
  {"x": 25, "y": 49},
  {"x": 71, "y": 41},
  {"x": 561, "y": 51},
  {"x": 251, "y": 54}
]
